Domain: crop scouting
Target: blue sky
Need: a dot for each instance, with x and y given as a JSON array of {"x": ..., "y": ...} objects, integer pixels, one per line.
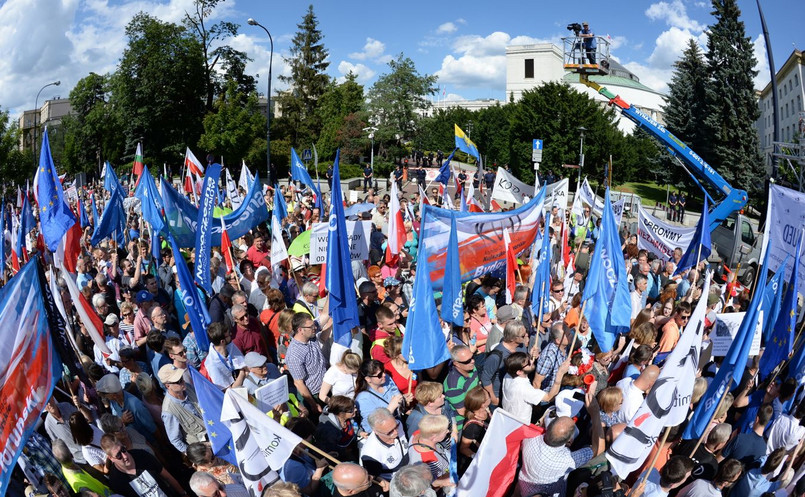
[{"x": 461, "y": 42}]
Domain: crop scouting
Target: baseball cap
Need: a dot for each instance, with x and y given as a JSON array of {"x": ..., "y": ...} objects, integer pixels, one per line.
[
  {"x": 144, "y": 296},
  {"x": 391, "y": 281},
  {"x": 111, "y": 320},
  {"x": 255, "y": 360},
  {"x": 170, "y": 374},
  {"x": 109, "y": 384},
  {"x": 506, "y": 313}
]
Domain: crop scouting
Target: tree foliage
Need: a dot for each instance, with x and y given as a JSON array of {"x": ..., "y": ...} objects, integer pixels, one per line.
[
  {"x": 339, "y": 102},
  {"x": 92, "y": 133},
  {"x": 235, "y": 130},
  {"x": 15, "y": 166},
  {"x": 307, "y": 82},
  {"x": 159, "y": 88},
  {"x": 730, "y": 103}
]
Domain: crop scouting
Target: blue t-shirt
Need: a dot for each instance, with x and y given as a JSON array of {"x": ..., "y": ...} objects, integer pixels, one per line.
[{"x": 298, "y": 469}]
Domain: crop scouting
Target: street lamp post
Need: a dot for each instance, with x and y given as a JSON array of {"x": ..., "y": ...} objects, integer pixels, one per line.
[
  {"x": 581, "y": 130},
  {"x": 252, "y": 22},
  {"x": 36, "y": 114}
]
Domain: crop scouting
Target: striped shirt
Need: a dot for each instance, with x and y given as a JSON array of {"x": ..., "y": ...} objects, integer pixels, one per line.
[
  {"x": 456, "y": 387},
  {"x": 306, "y": 362}
]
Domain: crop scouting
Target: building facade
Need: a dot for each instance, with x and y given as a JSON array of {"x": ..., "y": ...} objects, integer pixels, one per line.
[
  {"x": 50, "y": 115},
  {"x": 791, "y": 113},
  {"x": 529, "y": 66}
]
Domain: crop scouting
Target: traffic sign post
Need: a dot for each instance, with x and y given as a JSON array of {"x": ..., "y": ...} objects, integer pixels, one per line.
[
  {"x": 536, "y": 153},
  {"x": 306, "y": 155}
]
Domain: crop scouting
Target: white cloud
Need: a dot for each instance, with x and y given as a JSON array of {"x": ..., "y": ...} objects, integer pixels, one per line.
[
  {"x": 447, "y": 28},
  {"x": 257, "y": 48},
  {"x": 762, "y": 78},
  {"x": 372, "y": 50},
  {"x": 364, "y": 73},
  {"x": 674, "y": 14},
  {"x": 615, "y": 42},
  {"x": 655, "y": 78},
  {"x": 480, "y": 62},
  {"x": 453, "y": 97},
  {"x": 670, "y": 45}
]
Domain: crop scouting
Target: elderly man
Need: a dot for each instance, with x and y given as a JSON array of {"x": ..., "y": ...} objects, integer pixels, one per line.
[
  {"x": 261, "y": 372},
  {"x": 351, "y": 479},
  {"x": 130, "y": 409},
  {"x": 159, "y": 320},
  {"x": 137, "y": 473},
  {"x": 204, "y": 484},
  {"x": 58, "y": 428},
  {"x": 181, "y": 412},
  {"x": 142, "y": 323},
  {"x": 547, "y": 460},
  {"x": 248, "y": 334},
  {"x": 305, "y": 360},
  {"x": 385, "y": 450},
  {"x": 461, "y": 378},
  {"x": 552, "y": 356},
  {"x": 515, "y": 339},
  {"x": 634, "y": 391},
  {"x": 412, "y": 481},
  {"x": 505, "y": 314}
]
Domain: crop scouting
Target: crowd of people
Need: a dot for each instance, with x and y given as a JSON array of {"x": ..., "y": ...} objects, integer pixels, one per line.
[{"x": 136, "y": 429}]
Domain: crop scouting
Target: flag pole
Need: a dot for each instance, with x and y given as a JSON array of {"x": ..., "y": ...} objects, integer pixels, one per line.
[
  {"x": 638, "y": 489},
  {"x": 720, "y": 402}
]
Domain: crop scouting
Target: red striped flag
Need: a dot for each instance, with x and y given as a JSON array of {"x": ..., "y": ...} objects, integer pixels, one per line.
[
  {"x": 226, "y": 248},
  {"x": 511, "y": 267}
]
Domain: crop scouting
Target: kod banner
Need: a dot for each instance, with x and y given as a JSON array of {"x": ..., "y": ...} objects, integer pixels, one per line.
[
  {"x": 480, "y": 238},
  {"x": 557, "y": 194},
  {"x": 359, "y": 232},
  {"x": 661, "y": 238},
  {"x": 510, "y": 189},
  {"x": 785, "y": 218}
]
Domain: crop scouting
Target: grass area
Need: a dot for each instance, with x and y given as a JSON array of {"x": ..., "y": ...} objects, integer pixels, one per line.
[{"x": 650, "y": 193}]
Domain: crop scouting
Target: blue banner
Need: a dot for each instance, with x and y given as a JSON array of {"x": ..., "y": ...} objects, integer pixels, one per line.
[
  {"x": 196, "y": 309},
  {"x": 611, "y": 305},
  {"x": 110, "y": 180},
  {"x": 424, "y": 345},
  {"x": 150, "y": 201},
  {"x": 113, "y": 220},
  {"x": 732, "y": 368},
  {"x": 542, "y": 281},
  {"x": 29, "y": 364},
  {"x": 182, "y": 216},
  {"x": 55, "y": 216},
  {"x": 280, "y": 207},
  {"x": 452, "y": 302},
  {"x": 340, "y": 282},
  {"x": 82, "y": 214},
  {"x": 209, "y": 194},
  {"x": 700, "y": 247},
  {"x": 779, "y": 346},
  {"x": 772, "y": 299}
]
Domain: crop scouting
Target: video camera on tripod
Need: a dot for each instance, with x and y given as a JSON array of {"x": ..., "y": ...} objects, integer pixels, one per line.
[{"x": 575, "y": 27}]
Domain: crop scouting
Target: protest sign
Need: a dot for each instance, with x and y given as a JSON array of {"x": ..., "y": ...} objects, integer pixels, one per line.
[
  {"x": 359, "y": 232},
  {"x": 661, "y": 238},
  {"x": 725, "y": 329},
  {"x": 510, "y": 189},
  {"x": 557, "y": 194},
  {"x": 785, "y": 217},
  {"x": 272, "y": 394}
]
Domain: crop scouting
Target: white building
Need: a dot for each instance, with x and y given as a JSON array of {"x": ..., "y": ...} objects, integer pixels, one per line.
[
  {"x": 790, "y": 98},
  {"x": 528, "y": 66},
  {"x": 49, "y": 115},
  {"x": 471, "y": 105}
]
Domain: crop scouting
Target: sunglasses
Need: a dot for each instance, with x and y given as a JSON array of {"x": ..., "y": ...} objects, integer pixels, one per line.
[
  {"x": 122, "y": 451},
  {"x": 468, "y": 361}
]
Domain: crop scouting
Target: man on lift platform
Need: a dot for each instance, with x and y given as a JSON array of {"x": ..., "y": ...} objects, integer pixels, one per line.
[{"x": 589, "y": 41}]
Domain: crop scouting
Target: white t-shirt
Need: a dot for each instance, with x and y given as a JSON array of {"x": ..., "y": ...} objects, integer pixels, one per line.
[
  {"x": 342, "y": 383},
  {"x": 632, "y": 399},
  {"x": 519, "y": 397},
  {"x": 785, "y": 432},
  {"x": 93, "y": 452}
]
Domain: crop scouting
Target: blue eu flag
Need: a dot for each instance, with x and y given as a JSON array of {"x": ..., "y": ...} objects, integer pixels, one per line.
[
  {"x": 54, "y": 215},
  {"x": 210, "y": 399}
]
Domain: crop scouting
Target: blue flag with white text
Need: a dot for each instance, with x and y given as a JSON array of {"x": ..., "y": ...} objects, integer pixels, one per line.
[
  {"x": 340, "y": 282},
  {"x": 732, "y": 368},
  {"x": 209, "y": 195},
  {"x": 211, "y": 399},
  {"x": 452, "y": 299},
  {"x": 110, "y": 181},
  {"x": 700, "y": 247},
  {"x": 772, "y": 299},
  {"x": 280, "y": 207},
  {"x": 607, "y": 290},
  {"x": 424, "y": 345},
  {"x": 150, "y": 200},
  {"x": 542, "y": 281},
  {"x": 299, "y": 173},
  {"x": 55, "y": 216},
  {"x": 196, "y": 309},
  {"x": 113, "y": 221}
]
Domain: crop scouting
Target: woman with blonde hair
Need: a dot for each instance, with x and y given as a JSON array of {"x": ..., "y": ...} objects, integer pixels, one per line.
[
  {"x": 340, "y": 378},
  {"x": 284, "y": 333},
  {"x": 397, "y": 367},
  {"x": 610, "y": 400},
  {"x": 425, "y": 448}
]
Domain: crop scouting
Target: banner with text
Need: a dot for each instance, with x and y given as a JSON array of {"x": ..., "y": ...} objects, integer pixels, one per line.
[
  {"x": 727, "y": 327},
  {"x": 785, "y": 218},
  {"x": 480, "y": 238},
  {"x": 359, "y": 232},
  {"x": 659, "y": 237},
  {"x": 557, "y": 194},
  {"x": 510, "y": 189}
]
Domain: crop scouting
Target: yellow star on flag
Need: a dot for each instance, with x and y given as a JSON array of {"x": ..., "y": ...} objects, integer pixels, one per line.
[
  {"x": 210, "y": 422},
  {"x": 213, "y": 434}
]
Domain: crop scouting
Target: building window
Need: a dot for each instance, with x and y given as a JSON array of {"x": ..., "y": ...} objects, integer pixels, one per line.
[{"x": 529, "y": 68}]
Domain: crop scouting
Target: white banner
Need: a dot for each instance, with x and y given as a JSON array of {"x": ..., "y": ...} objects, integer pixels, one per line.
[
  {"x": 272, "y": 394},
  {"x": 617, "y": 210},
  {"x": 659, "y": 237},
  {"x": 359, "y": 232},
  {"x": 785, "y": 218},
  {"x": 261, "y": 444},
  {"x": 510, "y": 189},
  {"x": 586, "y": 195},
  {"x": 727, "y": 326},
  {"x": 557, "y": 194},
  {"x": 668, "y": 402}
]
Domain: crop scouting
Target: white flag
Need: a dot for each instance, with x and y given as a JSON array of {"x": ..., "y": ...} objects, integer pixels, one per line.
[
  {"x": 246, "y": 178},
  {"x": 261, "y": 444},
  {"x": 511, "y": 189},
  {"x": 232, "y": 191},
  {"x": 668, "y": 401}
]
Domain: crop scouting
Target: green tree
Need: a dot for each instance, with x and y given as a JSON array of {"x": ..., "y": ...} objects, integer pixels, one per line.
[
  {"x": 15, "y": 166},
  {"x": 394, "y": 102},
  {"x": 730, "y": 103},
  {"x": 307, "y": 82},
  {"x": 216, "y": 54},
  {"x": 159, "y": 88},
  {"x": 337, "y": 103},
  {"x": 554, "y": 112},
  {"x": 235, "y": 131},
  {"x": 92, "y": 133},
  {"x": 684, "y": 111}
]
